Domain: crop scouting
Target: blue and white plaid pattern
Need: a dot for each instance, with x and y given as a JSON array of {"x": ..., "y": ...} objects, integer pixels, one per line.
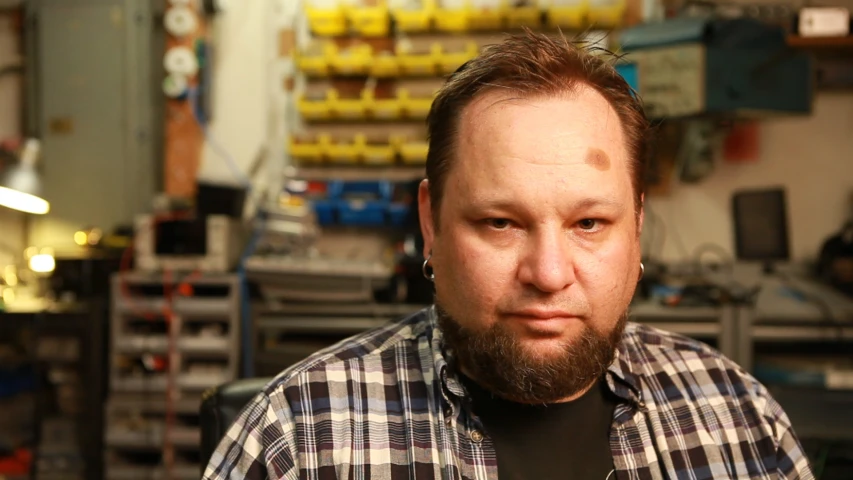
[{"x": 385, "y": 405}]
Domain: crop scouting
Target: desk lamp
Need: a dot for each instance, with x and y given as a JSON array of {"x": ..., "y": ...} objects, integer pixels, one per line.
[{"x": 20, "y": 186}]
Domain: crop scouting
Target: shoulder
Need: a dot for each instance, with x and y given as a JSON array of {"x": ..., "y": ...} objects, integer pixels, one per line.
[
  {"x": 365, "y": 353},
  {"x": 673, "y": 365}
]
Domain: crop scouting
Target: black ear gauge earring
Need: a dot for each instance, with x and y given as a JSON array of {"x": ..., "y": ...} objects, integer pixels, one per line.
[{"x": 428, "y": 276}]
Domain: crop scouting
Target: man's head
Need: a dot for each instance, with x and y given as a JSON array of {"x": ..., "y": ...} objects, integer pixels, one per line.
[{"x": 532, "y": 210}]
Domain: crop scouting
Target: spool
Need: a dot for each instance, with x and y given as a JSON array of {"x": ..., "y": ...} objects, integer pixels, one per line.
[
  {"x": 176, "y": 86},
  {"x": 213, "y": 7},
  {"x": 181, "y": 61},
  {"x": 180, "y": 21}
]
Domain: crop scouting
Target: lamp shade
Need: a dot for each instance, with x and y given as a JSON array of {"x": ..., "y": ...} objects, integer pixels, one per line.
[{"x": 20, "y": 186}]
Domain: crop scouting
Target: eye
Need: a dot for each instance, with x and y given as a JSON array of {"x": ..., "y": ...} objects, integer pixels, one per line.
[
  {"x": 498, "y": 223},
  {"x": 588, "y": 223}
]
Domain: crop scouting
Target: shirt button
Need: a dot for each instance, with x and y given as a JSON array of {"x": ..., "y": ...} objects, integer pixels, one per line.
[{"x": 476, "y": 436}]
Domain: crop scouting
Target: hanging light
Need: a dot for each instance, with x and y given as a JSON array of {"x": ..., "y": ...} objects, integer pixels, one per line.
[{"x": 20, "y": 186}]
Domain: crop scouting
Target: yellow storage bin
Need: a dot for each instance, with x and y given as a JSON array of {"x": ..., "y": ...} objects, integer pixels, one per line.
[
  {"x": 317, "y": 62},
  {"x": 420, "y": 63},
  {"x": 610, "y": 15},
  {"x": 348, "y": 108},
  {"x": 448, "y": 62},
  {"x": 573, "y": 16},
  {"x": 414, "y": 153},
  {"x": 517, "y": 17},
  {"x": 495, "y": 18},
  {"x": 415, "y": 20},
  {"x": 327, "y": 22},
  {"x": 370, "y": 21},
  {"x": 385, "y": 65},
  {"x": 314, "y": 109},
  {"x": 346, "y": 152},
  {"x": 309, "y": 151},
  {"x": 414, "y": 107},
  {"x": 386, "y": 108},
  {"x": 354, "y": 60},
  {"x": 379, "y": 154},
  {"x": 453, "y": 20}
]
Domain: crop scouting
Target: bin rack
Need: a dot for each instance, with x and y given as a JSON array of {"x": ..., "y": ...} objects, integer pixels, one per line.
[
  {"x": 310, "y": 152},
  {"x": 327, "y": 22},
  {"x": 420, "y": 63},
  {"x": 448, "y": 62},
  {"x": 354, "y": 60},
  {"x": 568, "y": 16},
  {"x": 456, "y": 20},
  {"x": 370, "y": 21},
  {"x": 415, "y": 20},
  {"x": 607, "y": 15},
  {"x": 517, "y": 17}
]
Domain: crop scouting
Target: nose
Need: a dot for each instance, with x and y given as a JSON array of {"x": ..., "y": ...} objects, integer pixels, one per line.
[{"x": 547, "y": 262}]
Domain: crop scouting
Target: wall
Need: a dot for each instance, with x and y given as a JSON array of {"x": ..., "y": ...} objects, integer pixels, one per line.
[
  {"x": 811, "y": 156},
  {"x": 11, "y": 225}
]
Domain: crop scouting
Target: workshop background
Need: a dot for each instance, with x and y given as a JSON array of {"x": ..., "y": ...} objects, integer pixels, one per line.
[{"x": 197, "y": 191}]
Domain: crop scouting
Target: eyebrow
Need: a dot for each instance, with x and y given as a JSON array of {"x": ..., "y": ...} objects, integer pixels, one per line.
[{"x": 583, "y": 204}]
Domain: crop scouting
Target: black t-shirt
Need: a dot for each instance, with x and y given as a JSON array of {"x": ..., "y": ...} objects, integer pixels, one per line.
[{"x": 565, "y": 441}]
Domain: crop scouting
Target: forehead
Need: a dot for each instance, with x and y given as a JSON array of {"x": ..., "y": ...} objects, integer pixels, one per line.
[{"x": 575, "y": 140}]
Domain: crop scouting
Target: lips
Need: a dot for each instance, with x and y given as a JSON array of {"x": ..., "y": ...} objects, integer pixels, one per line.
[{"x": 542, "y": 314}]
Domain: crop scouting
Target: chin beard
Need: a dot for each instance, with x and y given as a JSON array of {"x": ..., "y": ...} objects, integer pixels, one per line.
[{"x": 499, "y": 362}]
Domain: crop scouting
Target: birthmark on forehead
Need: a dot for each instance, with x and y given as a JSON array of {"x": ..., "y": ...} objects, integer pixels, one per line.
[{"x": 597, "y": 158}]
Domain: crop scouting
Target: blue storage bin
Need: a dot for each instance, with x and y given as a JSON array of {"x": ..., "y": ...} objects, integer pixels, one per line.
[
  {"x": 325, "y": 211},
  {"x": 398, "y": 213},
  {"x": 361, "y": 212},
  {"x": 630, "y": 74},
  {"x": 381, "y": 190}
]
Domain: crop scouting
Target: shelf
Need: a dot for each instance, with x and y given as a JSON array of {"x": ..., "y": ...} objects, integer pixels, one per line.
[
  {"x": 160, "y": 344},
  {"x": 820, "y": 42},
  {"x": 402, "y": 173}
]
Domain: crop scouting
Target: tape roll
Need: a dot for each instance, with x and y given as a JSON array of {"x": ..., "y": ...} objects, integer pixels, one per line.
[
  {"x": 181, "y": 61},
  {"x": 176, "y": 85},
  {"x": 213, "y": 7},
  {"x": 180, "y": 21}
]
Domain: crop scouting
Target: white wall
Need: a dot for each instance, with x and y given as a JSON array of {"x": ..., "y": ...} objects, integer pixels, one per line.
[{"x": 811, "y": 156}]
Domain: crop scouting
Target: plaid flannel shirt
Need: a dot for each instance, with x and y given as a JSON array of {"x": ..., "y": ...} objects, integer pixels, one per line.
[{"x": 385, "y": 405}]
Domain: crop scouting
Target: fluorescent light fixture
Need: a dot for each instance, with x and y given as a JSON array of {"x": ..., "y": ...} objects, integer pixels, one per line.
[{"x": 20, "y": 187}]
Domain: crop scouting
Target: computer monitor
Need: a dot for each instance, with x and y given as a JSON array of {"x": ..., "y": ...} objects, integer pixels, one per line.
[{"x": 761, "y": 226}]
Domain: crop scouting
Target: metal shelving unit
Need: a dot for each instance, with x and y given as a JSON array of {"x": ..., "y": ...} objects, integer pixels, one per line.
[{"x": 203, "y": 331}]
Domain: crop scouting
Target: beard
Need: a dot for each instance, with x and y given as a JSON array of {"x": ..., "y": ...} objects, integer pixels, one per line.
[{"x": 498, "y": 360}]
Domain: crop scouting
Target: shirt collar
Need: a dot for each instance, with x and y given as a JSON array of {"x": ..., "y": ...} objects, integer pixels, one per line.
[{"x": 621, "y": 378}]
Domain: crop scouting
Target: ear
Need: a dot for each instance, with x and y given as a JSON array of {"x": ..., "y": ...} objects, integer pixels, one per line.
[{"x": 425, "y": 214}]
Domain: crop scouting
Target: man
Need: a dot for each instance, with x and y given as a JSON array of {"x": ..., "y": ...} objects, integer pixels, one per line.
[{"x": 526, "y": 366}]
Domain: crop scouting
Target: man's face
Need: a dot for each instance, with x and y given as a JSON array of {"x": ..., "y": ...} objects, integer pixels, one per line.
[{"x": 538, "y": 242}]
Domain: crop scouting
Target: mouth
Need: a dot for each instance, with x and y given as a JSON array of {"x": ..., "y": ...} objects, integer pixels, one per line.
[{"x": 542, "y": 316}]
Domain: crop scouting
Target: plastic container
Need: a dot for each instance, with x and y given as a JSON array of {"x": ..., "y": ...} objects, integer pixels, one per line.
[
  {"x": 415, "y": 20},
  {"x": 325, "y": 211},
  {"x": 568, "y": 16},
  {"x": 345, "y": 152},
  {"x": 385, "y": 65},
  {"x": 309, "y": 151},
  {"x": 349, "y": 108},
  {"x": 607, "y": 14},
  {"x": 398, "y": 214},
  {"x": 365, "y": 213},
  {"x": 448, "y": 62},
  {"x": 517, "y": 17},
  {"x": 488, "y": 18},
  {"x": 378, "y": 154},
  {"x": 414, "y": 153},
  {"x": 386, "y": 108},
  {"x": 370, "y": 21},
  {"x": 329, "y": 22},
  {"x": 371, "y": 189},
  {"x": 355, "y": 60},
  {"x": 420, "y": 63},
  {"x": 455, "y": 20},
  {"x": 315, "y": 109},
  {"x": 414, "y": 107},
  {"x": 316, "y": 65}
]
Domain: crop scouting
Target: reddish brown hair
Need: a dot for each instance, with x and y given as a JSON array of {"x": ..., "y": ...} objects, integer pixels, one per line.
[{"x": 530, "y": 65}]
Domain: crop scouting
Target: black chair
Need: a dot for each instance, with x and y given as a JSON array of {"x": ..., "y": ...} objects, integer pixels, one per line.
[{"x": 220, "y": 407}]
